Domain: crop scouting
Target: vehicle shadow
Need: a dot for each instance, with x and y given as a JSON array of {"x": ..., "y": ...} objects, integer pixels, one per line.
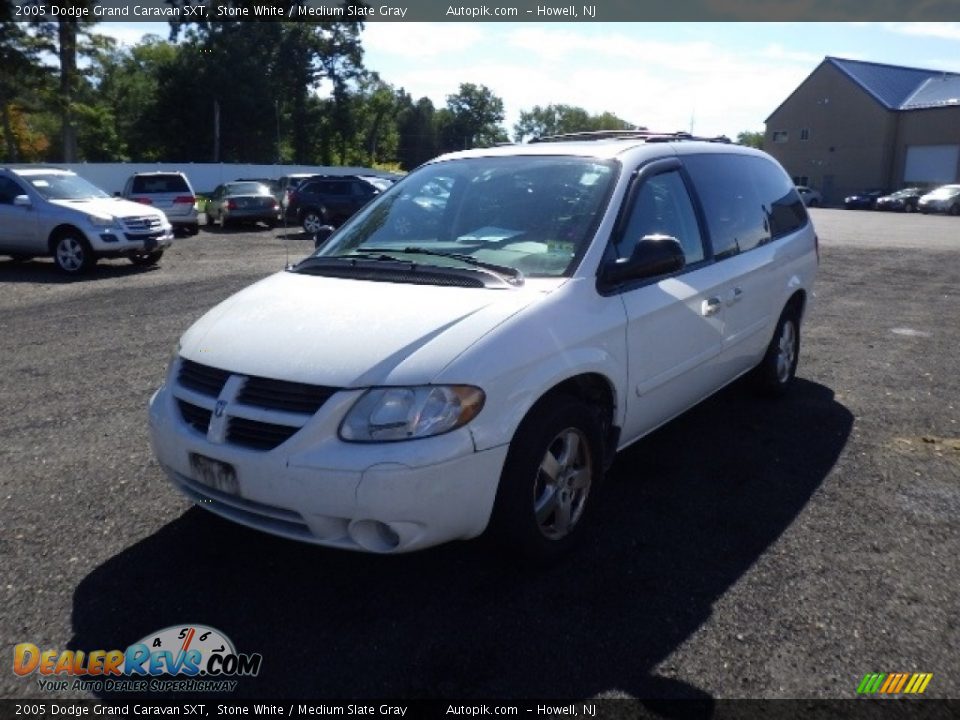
[
  {"x": 685, "y": 513},
  {"x": 43, "y": 271}
]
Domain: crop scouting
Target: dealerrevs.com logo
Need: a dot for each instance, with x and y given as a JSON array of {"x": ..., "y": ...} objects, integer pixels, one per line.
[{"x": 188, "y": 658}]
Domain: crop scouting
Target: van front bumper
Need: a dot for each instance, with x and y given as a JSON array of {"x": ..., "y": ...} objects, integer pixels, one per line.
[{"x": 382, "y": 498}]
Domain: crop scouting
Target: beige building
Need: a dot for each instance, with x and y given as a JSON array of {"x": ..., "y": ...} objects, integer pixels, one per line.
[{"x": 852, "y": 126}]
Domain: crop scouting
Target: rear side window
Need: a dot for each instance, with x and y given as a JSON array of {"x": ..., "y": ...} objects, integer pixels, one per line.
[
  {"x": 8, "y": 191},
  {"x": 747, "y": 200},
  {"x": 160, "y": 184}
]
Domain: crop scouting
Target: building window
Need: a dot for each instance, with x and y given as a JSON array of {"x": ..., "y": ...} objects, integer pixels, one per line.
[
  {"x": 805, "y": 134},
  {"x": 780, "y": 136},
  {"x": 801, "y": 180}
]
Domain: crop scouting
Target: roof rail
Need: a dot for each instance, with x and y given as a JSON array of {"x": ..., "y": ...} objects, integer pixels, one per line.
[{"x": 646, "y": 135}]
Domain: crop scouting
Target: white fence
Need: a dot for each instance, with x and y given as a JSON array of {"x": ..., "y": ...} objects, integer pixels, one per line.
[{"x": 204, "y": 177}]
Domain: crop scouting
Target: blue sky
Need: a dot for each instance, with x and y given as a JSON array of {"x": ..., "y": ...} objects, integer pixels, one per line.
[{"x": 721, "y": 78}]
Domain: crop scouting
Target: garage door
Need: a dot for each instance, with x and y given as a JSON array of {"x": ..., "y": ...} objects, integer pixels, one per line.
[{"x": 932, "y": 164}]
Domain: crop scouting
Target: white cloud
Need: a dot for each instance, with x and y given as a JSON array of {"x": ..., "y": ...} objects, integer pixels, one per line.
[
  {"x": 942, "y": 30},
  {"x": 421, "y": 40}
]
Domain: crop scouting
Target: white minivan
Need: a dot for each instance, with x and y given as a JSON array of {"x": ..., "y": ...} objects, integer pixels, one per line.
[{"x": 468, "y": 352}]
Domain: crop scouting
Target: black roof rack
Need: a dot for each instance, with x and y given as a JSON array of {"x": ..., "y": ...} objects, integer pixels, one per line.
[{"x": 645, "y": 135}]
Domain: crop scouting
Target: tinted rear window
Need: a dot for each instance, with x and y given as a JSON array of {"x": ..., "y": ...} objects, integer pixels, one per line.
[{"x": 160, "y": 184}]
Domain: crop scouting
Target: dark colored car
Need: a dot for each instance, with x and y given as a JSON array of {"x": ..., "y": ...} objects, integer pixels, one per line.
[
  {"x": 331, "y": 199},
  {"x": 242, "y": 202},
  {"x": 901, "y": 201},
  {"x": 866, "y": 200}
]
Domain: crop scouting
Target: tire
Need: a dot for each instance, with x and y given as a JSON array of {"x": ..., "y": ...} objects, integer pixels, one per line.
[
  {"x": 814, "y": 203},
  {"x": 72, "y": 254},
  {"x": 193, "y": 229},
  {"x": 548, "y": 486},
  {"x": 271, "y": 224},
  {"x": 146, "y": 258},
  {"x": 954, "y": 209},
  {"x": 777, "y": 370},
  {"x": 908, "y": 208},
  {"x": 210, "y": 221},
  {"x": 313, "y": 220}
]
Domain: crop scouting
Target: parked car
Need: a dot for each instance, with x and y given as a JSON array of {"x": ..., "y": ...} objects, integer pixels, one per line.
[
  {"x": 242, "y": 202},
  {"x": 331, "y": 199},
  {"x": 169, "y": 192},
  {"x": 866, "y": 200},
  {"x": 945, "y": 199},
  {"x": 44, "y": 211},
  {"x": 285, "y": 187},
  {"x": 901, "y": 201},
  {"x": 810, "y": 197},
  {"x": 478, "y": 373}
]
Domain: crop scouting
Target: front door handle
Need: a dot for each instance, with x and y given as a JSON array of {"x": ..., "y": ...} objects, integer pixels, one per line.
[{"x": 710, "y": 307}]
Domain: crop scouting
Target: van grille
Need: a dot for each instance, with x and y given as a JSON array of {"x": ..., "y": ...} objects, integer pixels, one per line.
[{"x": 274, "y": 399}]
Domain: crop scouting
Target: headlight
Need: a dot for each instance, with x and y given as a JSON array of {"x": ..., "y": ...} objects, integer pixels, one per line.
[
  {"x": 404, "y": 413},
  {"x": 98, "y": 221}
]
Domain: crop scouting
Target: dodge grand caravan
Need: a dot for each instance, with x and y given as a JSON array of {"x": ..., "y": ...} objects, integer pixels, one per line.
[{"x": 468, "y": 352}]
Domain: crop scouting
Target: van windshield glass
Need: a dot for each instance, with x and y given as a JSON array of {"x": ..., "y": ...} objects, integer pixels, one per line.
[
  {"x": 65, "y": 187},
  {"x": 535, "y": 214}
]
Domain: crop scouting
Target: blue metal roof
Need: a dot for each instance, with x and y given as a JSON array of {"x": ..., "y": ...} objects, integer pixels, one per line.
[{"x": 901, "y": 88}]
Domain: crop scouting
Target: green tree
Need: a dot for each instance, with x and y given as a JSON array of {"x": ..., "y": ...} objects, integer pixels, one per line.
[
  {"x": 23, "y": 81},
  {"x": 471, "y": 119},
  {"x": 750, "y": 139},
  {"x": 560, "y": 119},
  {"x": 416, "y": 126}
]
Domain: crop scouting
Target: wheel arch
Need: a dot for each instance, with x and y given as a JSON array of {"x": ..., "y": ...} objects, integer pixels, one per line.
[{"x": 59, "y": 232}]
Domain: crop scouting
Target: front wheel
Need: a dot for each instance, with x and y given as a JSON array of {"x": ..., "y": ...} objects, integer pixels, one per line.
[
  {"x": 146, "y": 258},
  {"x": 549, "y": 481},
  {"x": 73, "y": 255},
  {"x": 776, "y": 371},
  {"x": 908, "y": 208}
]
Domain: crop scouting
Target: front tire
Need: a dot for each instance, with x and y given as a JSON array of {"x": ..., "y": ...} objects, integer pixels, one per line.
[
  {"x": 777, "y": 370},
  {"x": 73, "y": 255},
  {"x": 549, "y": 481}
]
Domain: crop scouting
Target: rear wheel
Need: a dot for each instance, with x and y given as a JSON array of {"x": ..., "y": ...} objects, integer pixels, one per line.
[
  {"x": 549, "y": 481},
  {"x": 73, "y": 255},
  {"x": 908, "y": 208},
  {"x": 313, "y": 220},
  {"x": 954, "y": 209},
  {"x": 776, "y": 371}
]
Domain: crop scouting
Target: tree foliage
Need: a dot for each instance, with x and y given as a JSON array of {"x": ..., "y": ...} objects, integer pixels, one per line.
[
  {"x": 229, "y": 91},
  {"x": 750, "y": 139},
  {"x": 561, "y": 119}
]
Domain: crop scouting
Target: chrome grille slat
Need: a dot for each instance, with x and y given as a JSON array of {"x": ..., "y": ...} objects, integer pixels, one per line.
[{"x": 202, "y": 378}]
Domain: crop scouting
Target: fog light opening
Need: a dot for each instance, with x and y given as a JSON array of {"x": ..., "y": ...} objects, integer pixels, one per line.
[{"x": 374, "y": 536}]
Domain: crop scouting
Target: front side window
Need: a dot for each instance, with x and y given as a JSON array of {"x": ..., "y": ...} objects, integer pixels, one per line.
[
  {"x": 662, "y": 206},
  {"x": 534, "y": 214},
  {"x": 8, "y": 191}
]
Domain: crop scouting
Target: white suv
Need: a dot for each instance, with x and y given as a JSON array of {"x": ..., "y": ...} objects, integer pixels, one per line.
[
  {"x": 169, "y": 192},
  {"x": 45, "y": 211},
  {"x": 451, "y": 362}
]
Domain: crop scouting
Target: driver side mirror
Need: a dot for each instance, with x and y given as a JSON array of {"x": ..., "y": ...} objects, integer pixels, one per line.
[
  {"x": 654, "y": 255},
  {"x": 322, "y": 235},
  {"x": 22, "y": 201}
]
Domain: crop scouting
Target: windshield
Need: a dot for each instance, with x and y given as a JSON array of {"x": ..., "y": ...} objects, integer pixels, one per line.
[
  {"x": 65, "y": 187},
  {"x": 534, "y": 214}
]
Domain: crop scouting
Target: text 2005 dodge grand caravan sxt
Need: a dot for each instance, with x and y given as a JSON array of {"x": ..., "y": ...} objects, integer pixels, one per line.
[{"x": 471, "y": 349}]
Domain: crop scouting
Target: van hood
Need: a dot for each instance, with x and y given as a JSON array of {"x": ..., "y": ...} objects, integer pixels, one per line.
[
  {"x": 349, "y": 333},
  {"x": 108, "y": 207}
]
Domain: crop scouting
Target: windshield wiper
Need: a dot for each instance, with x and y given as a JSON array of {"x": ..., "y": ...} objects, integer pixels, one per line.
[{"x": 511, "y": 275}]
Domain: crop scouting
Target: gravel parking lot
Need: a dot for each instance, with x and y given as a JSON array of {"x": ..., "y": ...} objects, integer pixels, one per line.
[{"x": 749, "y": 549}]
